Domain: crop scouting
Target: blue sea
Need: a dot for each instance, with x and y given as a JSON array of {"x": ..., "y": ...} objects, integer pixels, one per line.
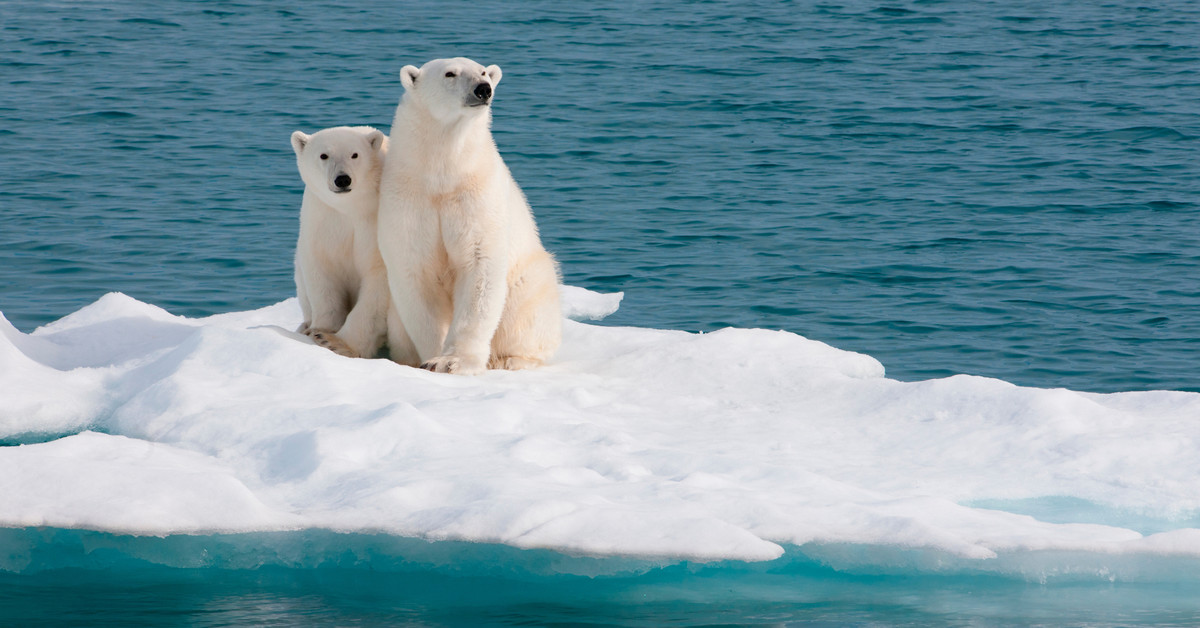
[{"x": 999, "y": 188}]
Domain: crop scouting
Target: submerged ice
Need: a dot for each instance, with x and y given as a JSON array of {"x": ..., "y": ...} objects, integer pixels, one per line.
[{"x": 632, "y": 443}]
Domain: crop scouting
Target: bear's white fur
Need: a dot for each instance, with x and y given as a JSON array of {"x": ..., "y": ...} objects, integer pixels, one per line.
[
  {"x": 341, "y": 281},
  {"x": 468, "y": 273}
]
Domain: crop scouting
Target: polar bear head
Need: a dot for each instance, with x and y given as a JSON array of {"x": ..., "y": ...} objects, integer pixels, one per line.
[
  {"x": 342, "y": 164},
  {"x": 451, "y": 89}
]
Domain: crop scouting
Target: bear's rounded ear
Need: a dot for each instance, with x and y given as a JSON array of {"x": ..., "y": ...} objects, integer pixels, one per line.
[
  {"x": 408, "y": 76},
  {"x": 299, "y": 141},
  {"x": 375, "y": 139},
  {"x": 494, "y": 72}
]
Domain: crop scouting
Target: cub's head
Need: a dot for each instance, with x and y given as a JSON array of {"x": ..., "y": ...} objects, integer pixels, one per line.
[
  {"x": 451, "y": 89},
  {"x": 341, "y": 164}
]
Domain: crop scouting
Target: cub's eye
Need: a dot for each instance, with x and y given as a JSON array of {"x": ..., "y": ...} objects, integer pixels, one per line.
[
  {"x": 324, "y": 156},
  {"x": 450, "y": 75},
  {"x": 354, "y": 156}
]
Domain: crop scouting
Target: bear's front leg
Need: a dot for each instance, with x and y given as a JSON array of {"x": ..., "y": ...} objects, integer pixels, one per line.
[
  {"x": 366, "y": 325},
  {"x": 423, "y": 309},
  {"x": 327, "y": 300},
  {"x": 479, "y": 295},
  {"x": 326, "y": 312}
]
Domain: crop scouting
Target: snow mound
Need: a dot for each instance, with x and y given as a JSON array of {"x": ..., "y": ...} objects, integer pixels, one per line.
[{"x": 632, "y": 443}]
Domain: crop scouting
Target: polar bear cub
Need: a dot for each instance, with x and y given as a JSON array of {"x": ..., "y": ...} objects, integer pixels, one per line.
[
  {"x": 341, "y": 281},
  {"x": 468, "y": 274}
]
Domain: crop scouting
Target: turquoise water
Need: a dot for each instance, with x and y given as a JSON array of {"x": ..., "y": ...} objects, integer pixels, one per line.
[
  {"x": 326, "y": 579},
  {"x": 997, "y": 188},
  {"x": 799, "y": 595}
]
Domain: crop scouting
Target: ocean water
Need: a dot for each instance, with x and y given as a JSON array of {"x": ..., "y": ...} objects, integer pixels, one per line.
[
  {"x": 795, "y": 595},
  {"x": 995, "y": 188}
]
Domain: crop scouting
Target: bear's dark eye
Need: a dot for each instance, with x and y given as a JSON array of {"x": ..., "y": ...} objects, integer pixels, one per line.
[
  {"x": 354, "y": 156},
  {"x": 450, "y": 75},
  {"x": 324, "y": 156}
]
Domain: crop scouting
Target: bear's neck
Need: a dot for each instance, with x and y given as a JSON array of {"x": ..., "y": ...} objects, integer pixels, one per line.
[
  {"x": 436, "y": 144},
  {"x": 363, "y": 206}
]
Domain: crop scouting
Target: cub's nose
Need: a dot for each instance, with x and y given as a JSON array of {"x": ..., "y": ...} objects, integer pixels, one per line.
[
  {"x": 342, "y": 181},
  {"x": 483, "y": 91}
]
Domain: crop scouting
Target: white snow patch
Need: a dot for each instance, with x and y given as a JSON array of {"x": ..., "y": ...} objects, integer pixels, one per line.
[{"x": 630, "y": 442}]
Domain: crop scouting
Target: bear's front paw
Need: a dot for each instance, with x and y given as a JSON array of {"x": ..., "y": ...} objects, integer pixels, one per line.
[
  {"x": 328, "y": 339},
  {"x": 453, "y": 364},
  {"x": 513, "y": 363}
]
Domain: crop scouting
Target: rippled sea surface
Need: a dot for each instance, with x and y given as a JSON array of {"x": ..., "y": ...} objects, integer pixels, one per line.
[
  {"x": 996, "y": 188},
  {"x": 1003, "y": 188}
]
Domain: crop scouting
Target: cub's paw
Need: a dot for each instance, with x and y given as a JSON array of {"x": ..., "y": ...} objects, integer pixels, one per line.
[
  {"x": 453, "y": 364},
  {"x": 513, "y": 363},
  {"x": 303, "y": 328},
  {"x": 328, "y": 339}
]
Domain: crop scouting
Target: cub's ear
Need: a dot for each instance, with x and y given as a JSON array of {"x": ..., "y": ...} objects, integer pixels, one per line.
[
  {"x": 299, "y": 141},
  {"x": 494, "y": 72},
  {"x": 376, "y": 139},
  {"x": 408, "y": 76}
]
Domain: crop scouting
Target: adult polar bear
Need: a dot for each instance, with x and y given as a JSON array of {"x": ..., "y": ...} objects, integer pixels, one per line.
[
  {"x": 341, "y": 281},
  {"x": 468, "y": 274}
]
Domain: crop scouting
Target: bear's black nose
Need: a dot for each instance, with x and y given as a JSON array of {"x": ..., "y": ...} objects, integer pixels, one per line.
[
  {"x": 342, "y": 181},
  {"x": 483, "y": 91}
]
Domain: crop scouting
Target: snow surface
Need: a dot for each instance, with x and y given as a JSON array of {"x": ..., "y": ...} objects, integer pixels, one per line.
[{"x": 640, "y": 443}]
